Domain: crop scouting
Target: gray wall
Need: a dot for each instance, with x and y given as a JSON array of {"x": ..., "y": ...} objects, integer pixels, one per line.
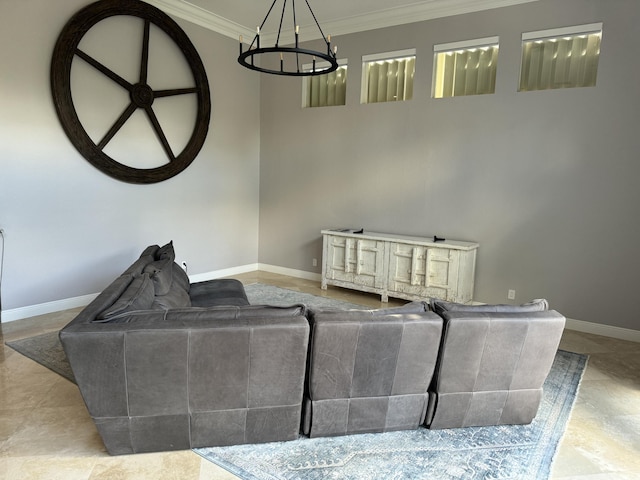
[
  {"x": 70, "y": 229},
  {"x": 546, "y": 181}
]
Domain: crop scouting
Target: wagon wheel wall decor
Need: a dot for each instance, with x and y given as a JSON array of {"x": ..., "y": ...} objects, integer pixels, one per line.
[{"x": 140, "y": 94}]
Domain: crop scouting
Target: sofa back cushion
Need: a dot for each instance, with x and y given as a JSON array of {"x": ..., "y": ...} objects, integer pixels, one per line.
[
  {"x": 232, "y": 315},
  {"x": 157, "y": 283},
  {"x": 359, "y": 313},
  {"x": 537, "y": 305},
  {"x": 171, "y": 286},
  {"x": 139, "y": 295},
  {"x": 362, "y": 353}
]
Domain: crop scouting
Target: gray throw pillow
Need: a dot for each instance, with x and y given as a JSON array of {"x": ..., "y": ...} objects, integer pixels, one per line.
[
  {"x": 139, "y": 295},
  {"x": 161, "y": 274},
  {"x": 166, "y": 251},
  {"x": 180, "y": 277}
]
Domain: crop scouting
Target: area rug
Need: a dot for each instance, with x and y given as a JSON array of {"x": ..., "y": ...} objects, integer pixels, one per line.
[
  {"x": 523, "y": 452},
  {"x": 47, "y": 350}
]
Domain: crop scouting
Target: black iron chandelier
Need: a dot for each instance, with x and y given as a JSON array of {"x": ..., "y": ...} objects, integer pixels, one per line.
[{"x": 280, "y": 60}]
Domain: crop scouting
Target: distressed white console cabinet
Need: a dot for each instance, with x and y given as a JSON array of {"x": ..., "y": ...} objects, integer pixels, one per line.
[{"x": 413, "y": 268}]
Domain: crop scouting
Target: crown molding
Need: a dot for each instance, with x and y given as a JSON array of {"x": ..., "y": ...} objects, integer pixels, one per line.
[
  {"x": 194, "y": 14},
  {"x": 416, "y": 12}
]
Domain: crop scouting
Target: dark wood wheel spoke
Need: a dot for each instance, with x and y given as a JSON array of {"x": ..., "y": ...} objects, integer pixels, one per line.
[
  {"x": 174, "y": 91},
  {"x": 160, "y": 133},
  {"x": 106, "y": 71},
  {"x": 117, "y": 126},
  {"x": 144, "y": 62}
]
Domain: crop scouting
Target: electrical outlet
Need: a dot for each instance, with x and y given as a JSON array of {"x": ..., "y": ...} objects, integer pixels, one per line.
[
  {"x": 314, "y": 262},
  {"x": 511, "y": 294},
  {"x": 184, "y": 266}
]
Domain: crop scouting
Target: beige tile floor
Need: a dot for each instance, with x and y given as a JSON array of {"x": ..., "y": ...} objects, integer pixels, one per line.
[{"x": 46, "y": 432}]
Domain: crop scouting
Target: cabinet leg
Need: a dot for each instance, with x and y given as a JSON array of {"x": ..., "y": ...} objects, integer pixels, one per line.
[
  {"x": 323, "y": 285},
  {"x": 384, "y": 298}
]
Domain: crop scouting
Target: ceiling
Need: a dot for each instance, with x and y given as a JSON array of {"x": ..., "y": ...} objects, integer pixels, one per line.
[{"x": 336, "y": 17}]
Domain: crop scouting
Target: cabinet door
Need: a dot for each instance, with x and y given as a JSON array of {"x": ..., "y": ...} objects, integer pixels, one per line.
[
  {"x": 442, "y": 272},
  {"x": 354, "y": 260},
  {"x": 407, "y": 268},
  {"x": 423, "y": 272}
]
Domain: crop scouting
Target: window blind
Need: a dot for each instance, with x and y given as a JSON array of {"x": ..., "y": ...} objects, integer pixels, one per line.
[
  {"x": 327, "y": 90},
  {"x": 388, "y": 80},
  {"x": 567, "y": 61},
  {"x": 465, "y": 72}
]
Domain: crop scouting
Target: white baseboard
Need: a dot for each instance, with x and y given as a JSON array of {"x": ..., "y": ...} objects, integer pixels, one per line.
[
  {"x": 48, "y": 307},
  {"x": 290, "y": 272},
  {"x": 66, "y": 304},
  {"x": 226, "y": 272},
  {"x": 603, "y": 330}
]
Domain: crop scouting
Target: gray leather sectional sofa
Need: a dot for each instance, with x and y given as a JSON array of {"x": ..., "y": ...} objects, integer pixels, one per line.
[{"x": 163, "y": 364}]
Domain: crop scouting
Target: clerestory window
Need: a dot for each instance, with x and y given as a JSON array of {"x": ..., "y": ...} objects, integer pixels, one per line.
[
  {"x": 560, "y": 58},
  {"x": 326, "y": 90},
  {"x": 388, "y": 77},
  {"x": 465, "y": 68}
]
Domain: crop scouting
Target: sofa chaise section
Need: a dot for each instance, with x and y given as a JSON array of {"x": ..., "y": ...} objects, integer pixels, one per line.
[{"x": 157, "y": 376}]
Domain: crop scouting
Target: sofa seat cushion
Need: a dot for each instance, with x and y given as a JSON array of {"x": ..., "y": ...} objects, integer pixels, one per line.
[
  {"x": 537, "y": 305},
  {"x": 218, "y": 292}
]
